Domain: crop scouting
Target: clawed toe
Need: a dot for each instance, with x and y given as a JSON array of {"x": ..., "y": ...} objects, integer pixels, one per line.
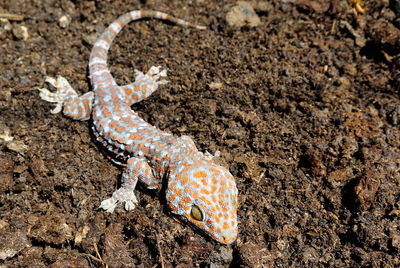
[
  {"x": 49, "y": 96},
  {"x": 155, "y": 72},
  {"x": 67, "y": 98},
  {"x": 122, "y": 195}
]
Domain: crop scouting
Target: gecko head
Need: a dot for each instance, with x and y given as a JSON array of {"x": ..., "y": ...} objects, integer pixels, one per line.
[{"x": 205, "y": 196}]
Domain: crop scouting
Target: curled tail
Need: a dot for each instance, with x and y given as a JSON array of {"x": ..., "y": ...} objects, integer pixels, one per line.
[{"x": 99, "y": 72}]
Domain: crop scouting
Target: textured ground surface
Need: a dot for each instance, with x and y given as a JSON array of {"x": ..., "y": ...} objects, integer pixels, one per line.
[{"x": 304, "y": 109}]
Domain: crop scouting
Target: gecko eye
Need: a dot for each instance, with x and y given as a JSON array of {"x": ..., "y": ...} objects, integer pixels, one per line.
[{"x": 196, "y": 213}]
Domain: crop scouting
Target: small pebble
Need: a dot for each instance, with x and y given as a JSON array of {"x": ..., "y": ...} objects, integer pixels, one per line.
[
  {"x": 17, "y": 146},
  {"x": 64, "y": 21},
  {"x": 242, "y": 14},
  {"x": 20, "y": 32}
]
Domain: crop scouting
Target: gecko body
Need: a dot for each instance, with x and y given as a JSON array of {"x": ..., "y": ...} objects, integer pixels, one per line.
[{"x": 198, "y": 191}]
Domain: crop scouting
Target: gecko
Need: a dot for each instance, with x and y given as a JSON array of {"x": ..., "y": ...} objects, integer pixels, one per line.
[{"x": 199, "y": 192}]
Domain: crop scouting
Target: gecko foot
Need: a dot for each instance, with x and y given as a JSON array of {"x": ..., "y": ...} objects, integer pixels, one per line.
[{"x": 119, "y": 196}]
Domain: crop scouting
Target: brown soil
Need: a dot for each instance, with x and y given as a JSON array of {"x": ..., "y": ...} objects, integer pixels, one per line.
[{"x": 304, "y": 109}]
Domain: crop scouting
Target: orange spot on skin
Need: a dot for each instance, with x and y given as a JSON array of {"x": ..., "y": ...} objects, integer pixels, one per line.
[
  {"x": 113, "y": 124},
  {"x": 186, "y": 199},
  {"x": 200, "y": 224},
  {"x": 138, "y": 165},
  {"x": 107, "y": 39},
  {"x": 194, "y": 184},
  {"x": 185, "y": 179},
  {"x": 125, "y": 119},
  {"x": 132, "y": 125},
  {"x": 225, "y": 226},
  {"x": 200, "y": 174},
  {"x": 144, "y": 149},
  {"x": 119, "y": 129},
  {"x": 172, "y": 185},
  {"x": 195, "y": 195},
  {"x": 171, "y": 198},
  {"x": 151, "y": 85},
  {"x": 182, "y": 205},
  {"x": 178, "y": 192},
  {"x": 213, "y": 189},
  {"x": 86, "y": 104},
  {"x": 80, "y": 112},
  {"x": 133, "y": 136},
  {"x": 129, "y": 16},
  {"x": 205, "y": 200},
  {"x": 204, "y": 191},
  {"x": 213, "y": 170},
  {"x": 106, "y": 113}
]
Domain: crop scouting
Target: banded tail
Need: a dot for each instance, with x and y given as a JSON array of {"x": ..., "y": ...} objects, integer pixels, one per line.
[{"x": 99, "y": 72}]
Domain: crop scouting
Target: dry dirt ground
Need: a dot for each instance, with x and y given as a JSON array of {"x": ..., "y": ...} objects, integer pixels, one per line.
[{"x": 304, "y": 108}]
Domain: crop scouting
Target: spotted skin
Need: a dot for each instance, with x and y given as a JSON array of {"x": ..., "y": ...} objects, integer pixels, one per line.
[{"x": 198, "y": 192}]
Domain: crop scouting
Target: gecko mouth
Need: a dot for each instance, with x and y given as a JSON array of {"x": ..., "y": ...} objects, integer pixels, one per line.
[{"x": 199, "y": 226}]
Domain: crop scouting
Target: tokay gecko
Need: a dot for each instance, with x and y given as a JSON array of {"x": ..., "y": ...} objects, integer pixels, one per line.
[{"x": 198, "y": 191}]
